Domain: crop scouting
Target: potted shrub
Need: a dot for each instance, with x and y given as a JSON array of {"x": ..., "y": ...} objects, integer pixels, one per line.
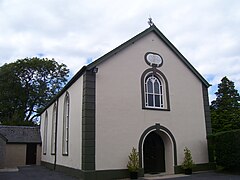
[
  {"x": 133, "y": 164},
  {"x": 188, "y": 163}
]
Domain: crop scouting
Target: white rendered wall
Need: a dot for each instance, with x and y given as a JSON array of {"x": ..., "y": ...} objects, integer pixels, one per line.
[
  {"x": 73, "y": 160},
  {"x": 47, "y": 157},
  {"x": 120, "y": 119}
]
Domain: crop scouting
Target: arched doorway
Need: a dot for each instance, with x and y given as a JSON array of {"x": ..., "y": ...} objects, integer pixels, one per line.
[
  {"x": 154, "y": 153},
  {"x": 169, "y": 145}
]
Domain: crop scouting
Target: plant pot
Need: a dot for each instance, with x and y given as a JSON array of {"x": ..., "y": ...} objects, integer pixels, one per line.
[
  {"x": 188, "y": 171},
  {"x": 133, "y": 175}
]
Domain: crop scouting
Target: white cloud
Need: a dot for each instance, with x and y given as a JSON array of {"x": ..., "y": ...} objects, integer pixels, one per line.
[{"x": 206, "y": 32}]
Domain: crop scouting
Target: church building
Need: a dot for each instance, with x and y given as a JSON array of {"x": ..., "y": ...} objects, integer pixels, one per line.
[{"x": 143, "y": 94}]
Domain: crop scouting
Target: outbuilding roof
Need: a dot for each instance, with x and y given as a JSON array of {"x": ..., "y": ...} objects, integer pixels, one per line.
[{"x": 20, "y": 134}]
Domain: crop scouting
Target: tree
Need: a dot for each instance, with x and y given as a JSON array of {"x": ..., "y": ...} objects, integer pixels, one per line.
[
  {"x": 12, "y": 95},
  {"x": 27, "y": 85},
  {"x": 225, "y": 110}
]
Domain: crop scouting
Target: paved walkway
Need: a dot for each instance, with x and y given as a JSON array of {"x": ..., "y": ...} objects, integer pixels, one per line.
[
  {"x": 33, "y": 173},
  {"x": 211, "y": 175},
  {"x": 42, "y": 173}
]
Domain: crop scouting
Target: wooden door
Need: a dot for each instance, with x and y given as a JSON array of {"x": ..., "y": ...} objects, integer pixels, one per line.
[
  {"x": 31, "y": 154},
  {"x": 154, "y": 154}
]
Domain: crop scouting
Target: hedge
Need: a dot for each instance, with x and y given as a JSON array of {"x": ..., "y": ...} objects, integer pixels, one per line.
[{"x": 227, "y": 149}]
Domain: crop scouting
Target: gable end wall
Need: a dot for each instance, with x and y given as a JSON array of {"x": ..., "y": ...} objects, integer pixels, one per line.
[{"x": 120, "y": 119}]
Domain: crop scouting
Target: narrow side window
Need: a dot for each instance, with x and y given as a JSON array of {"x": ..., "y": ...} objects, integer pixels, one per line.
[
  {"x": 66, "y": 125},
  {"x": 45, "y": 133},
  {"x": 54, "y": 121}
]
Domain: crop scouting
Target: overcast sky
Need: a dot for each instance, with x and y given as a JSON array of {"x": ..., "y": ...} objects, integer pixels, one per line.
[{"x": 76, "y": 32}]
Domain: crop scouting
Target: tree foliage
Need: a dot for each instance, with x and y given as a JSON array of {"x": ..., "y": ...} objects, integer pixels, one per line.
[
  {"x": 225, "y": 110},
  {"x": 27, "y": 85},
  {"x": 227, "y": 149}
]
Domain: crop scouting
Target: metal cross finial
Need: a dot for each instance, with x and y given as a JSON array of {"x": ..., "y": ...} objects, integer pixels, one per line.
[{"x": 150, "y": 22}]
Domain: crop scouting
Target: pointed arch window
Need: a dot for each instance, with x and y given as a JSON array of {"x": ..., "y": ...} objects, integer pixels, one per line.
[
  {"x": 154, "y": 92},
  {"x": 65, "y": 139},
  {"x": 54, "y": 122},
  {"x": 45, "y": 133}
]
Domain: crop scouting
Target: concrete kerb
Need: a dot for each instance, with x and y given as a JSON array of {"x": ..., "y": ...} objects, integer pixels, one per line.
[
  {"x": 158, "y": 176},
  {"x": 167, "y": 176},
  {"x": 164, "y": 176},
  {"x": 9, "y": 170}
]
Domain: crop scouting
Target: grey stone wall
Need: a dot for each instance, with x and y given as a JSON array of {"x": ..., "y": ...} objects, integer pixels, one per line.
[{"x": 2, "y": 152}]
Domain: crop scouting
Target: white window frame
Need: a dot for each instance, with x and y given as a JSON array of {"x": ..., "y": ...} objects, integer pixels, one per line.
[
  {"x": 54, "y": 122},
  {"x": 154, "y": 79},
  {"x": 65, "y": 138},
  {"x": 45, "y": 133}
]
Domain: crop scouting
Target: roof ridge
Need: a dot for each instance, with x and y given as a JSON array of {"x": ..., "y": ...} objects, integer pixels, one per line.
[
  {"x": 152, "y": 28},
  {"x": 101, "y": 59}
]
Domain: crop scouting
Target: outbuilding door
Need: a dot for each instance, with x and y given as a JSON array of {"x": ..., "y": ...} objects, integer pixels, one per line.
[
  {"x": 31, "y": 154},
  {"x": 154, "y": 153}
]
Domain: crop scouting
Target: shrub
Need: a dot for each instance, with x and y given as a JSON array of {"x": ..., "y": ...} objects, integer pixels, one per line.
[
  {"x": 227, "y": 149},
  {"x": 133, "y": 163},
  {"x": 188, "y": 161}
]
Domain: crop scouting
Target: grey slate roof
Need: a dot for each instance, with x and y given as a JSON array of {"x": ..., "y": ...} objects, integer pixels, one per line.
[
  {"x": 20, "y": 134},
  {"x": 105, "y": 57}
]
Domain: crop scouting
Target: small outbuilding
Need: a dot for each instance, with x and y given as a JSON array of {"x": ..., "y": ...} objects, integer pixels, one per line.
[{"x": 19, "y": 146}]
